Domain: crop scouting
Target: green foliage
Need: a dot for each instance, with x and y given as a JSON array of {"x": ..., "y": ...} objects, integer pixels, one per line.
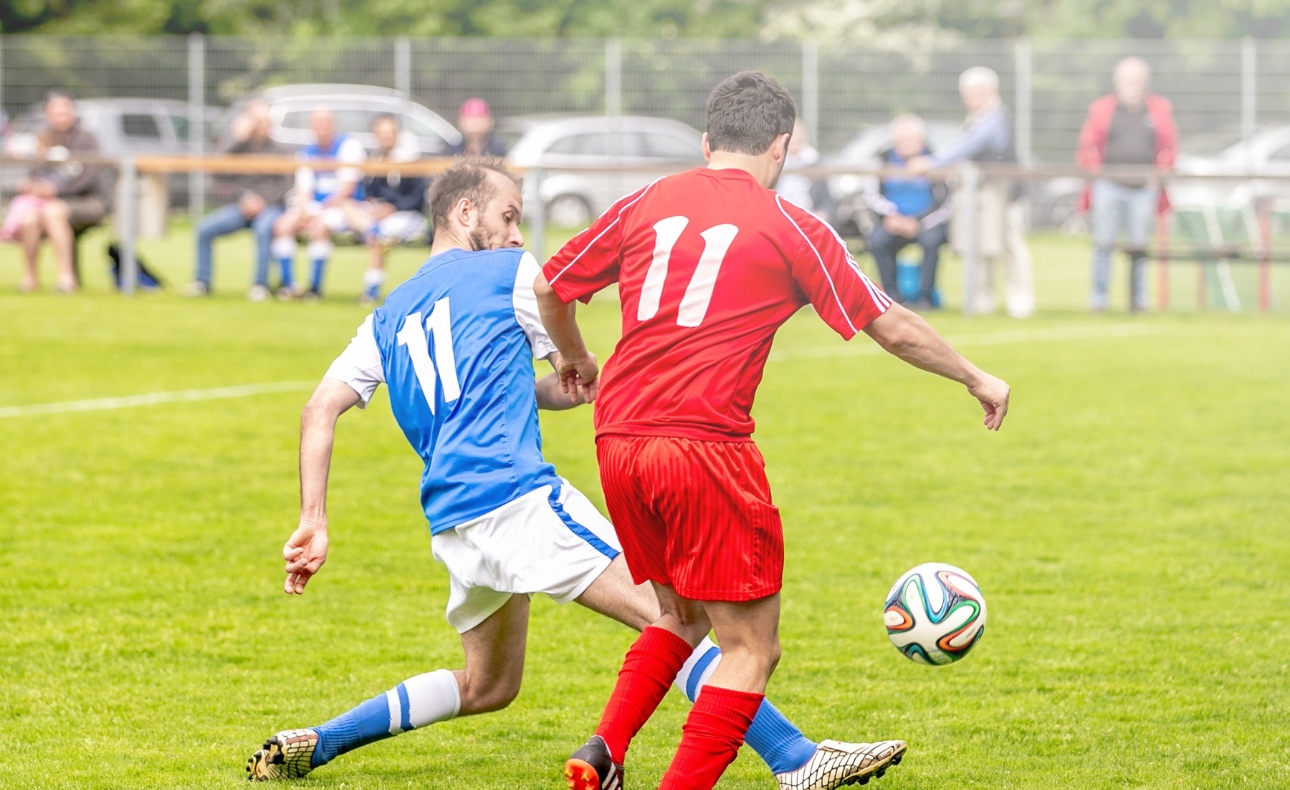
[{"x": 1127, "y": 526}]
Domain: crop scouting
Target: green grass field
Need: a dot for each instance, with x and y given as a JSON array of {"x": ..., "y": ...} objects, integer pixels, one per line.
[{"x": 1130, "y": 527}]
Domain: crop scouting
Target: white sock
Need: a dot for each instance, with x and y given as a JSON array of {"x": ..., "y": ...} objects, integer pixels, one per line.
[
  {"x": 318, "y": 250},
  {"x": 698, "y": 668},
  {"x": 284, "y": 247},
  {"x": 374, "y": 278},
  {"x": 431, "y": 698}
]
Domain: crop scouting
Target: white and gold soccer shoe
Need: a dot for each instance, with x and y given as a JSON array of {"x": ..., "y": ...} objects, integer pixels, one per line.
[
  {"x": 836, "y": 764},
  {"x": 286, "y": 755}
]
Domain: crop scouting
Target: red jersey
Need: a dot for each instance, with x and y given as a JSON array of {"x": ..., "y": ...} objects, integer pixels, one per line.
[{"x": 709, "y": 264}]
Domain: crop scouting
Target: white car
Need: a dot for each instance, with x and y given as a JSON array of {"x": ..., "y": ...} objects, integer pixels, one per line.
[
  {"x": 355, "y": 107},
  {"x": 633, "y": 150}
]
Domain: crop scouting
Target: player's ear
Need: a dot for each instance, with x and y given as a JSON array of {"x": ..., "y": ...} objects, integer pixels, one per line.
[
  {"x": 707, "y": 150},
  {"x": 779, "y": 148}
]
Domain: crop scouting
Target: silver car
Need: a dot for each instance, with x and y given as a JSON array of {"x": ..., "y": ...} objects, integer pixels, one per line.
[
  {"x": 355, "y": 107},
  {"x": 636, "y": 149}
]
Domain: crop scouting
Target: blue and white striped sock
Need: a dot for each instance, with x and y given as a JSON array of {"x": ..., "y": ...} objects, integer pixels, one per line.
[
  {"x": 776, "y": 740},
  {"x": 416, "y": 702}
]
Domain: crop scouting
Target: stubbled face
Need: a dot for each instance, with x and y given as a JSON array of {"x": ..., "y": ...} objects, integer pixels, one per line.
[
  {"x": 1130, "y": 81},
  {"x": 475, "y": 126},
  {"x": 387, "y": 135},
  {"x": 498, "y": 223},
  {"x": 907, "y": 142},
  {"x": 323, "y": 124},
  {"x": 60, "y": 114}
]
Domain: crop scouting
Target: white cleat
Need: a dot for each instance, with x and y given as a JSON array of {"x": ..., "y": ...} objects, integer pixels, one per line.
[
  {"x": 287, "y": 755},
  {"x": 836, "y": 764}
]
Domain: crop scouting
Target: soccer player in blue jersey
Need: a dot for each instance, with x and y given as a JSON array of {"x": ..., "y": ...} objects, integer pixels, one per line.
[{"x": 455, "y": 345}]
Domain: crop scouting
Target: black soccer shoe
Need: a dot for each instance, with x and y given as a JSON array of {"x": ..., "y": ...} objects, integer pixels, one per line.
[{"x": 592, "y": 768}]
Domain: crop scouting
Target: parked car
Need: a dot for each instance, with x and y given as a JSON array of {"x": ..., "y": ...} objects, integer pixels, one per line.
[
  {"x": 1223, "y": 151},
  {"x": 122, "y": 126},
  {"x": 355, "y": 107},
  {"x": 573, "y": 198}
]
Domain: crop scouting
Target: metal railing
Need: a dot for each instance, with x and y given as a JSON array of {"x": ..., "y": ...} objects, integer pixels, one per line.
[{"x": 1258, "y": 247}]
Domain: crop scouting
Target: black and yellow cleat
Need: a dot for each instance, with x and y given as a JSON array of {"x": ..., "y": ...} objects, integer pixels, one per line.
[
  {"x": 837, "y": 764},
  {"x": 287, "y": 755}
]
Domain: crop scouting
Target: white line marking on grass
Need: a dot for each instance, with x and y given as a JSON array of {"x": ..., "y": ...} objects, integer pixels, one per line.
[
  {"x": 1046, "y": 334},
  {"x": 153, "y": 398}
]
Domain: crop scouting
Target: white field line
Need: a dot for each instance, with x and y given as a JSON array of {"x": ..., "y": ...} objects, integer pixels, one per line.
[
  {"x": 153, "y": 398},
  {"x": 857, "y": 348}
]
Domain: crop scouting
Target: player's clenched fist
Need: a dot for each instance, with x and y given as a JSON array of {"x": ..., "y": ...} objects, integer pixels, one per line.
[
  {"x": 993, "y": 394},
  {"x": 581, "y": 375},
  {"x": 305, "y": 552}
]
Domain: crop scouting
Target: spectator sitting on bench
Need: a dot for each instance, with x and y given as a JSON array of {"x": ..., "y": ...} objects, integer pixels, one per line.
[
  {"x": 394, "y": 211},
  {"x": 911, "y": 210},
  {"x": 258, "y": 207},
  {"x": 319, "y": 200},
  {"x": 67, "y": 197}
]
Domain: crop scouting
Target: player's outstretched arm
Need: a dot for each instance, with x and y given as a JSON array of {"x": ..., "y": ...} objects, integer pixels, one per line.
[
  {"x": 306, "y": 549},
  {"x": 905, "y": 334},
  {"x": 576, "y": 365}
]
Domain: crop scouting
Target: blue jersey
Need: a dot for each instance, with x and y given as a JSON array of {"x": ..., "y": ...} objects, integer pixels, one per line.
[
  {"x": 343, "y": 149},
  {"x": 455, "y": 345}
]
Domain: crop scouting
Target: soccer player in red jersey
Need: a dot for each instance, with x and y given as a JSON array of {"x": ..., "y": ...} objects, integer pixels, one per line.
[{"x": 709, "y": 264}]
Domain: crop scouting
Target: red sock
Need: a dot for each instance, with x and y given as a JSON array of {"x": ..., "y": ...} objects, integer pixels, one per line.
[
  {"x": 648, "y": 670},
  {"x": 711, "y": 738}
]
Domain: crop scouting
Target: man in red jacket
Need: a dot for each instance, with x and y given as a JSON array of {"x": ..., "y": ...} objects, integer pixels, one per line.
[{"x": 1127, "y": 127}]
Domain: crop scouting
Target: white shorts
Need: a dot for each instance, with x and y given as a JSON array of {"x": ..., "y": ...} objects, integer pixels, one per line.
[
  {"x": 402, "y": 226},
  {"x": 542, "y": 542},
  {"x": 333, "y": 217}
]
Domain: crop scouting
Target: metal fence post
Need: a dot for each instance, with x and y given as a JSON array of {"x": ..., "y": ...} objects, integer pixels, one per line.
[
  {"x": 196, "y": 121},
  {"x": 403, "y": 65},
  {"x": 127, "y": 224},
  {"x": 970, "y": 179},
  {"x": 1249, "y": 95},
  {"x": 537, "y": 217},
  {"x": 811, "y": 87},
  {"x": 1024, "y": 65},
  {"x": 613, "y": 77}
]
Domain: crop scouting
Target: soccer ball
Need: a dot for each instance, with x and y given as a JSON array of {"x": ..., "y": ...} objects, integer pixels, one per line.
[{"x": 935, "y": 613}]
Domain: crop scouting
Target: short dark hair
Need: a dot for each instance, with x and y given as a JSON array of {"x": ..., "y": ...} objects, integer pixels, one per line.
[
  {"x": 747, "y": 112},
  {"x": 467, "y": 179}
]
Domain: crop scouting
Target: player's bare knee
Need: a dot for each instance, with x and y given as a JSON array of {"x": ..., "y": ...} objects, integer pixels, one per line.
[{"x": 489, "y": 696}]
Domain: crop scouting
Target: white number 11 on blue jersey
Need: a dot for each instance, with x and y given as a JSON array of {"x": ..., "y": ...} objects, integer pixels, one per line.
[{"x": 413, "y": 335}]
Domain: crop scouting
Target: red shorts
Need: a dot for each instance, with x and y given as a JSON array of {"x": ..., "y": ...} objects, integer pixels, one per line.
[{"x": 695, "y": 515}]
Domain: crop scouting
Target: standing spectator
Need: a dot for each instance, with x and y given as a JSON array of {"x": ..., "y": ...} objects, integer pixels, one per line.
[
  {"x": 911, "y": 211},
  {"x": 66, "y": 197},
  {"x": 394, "y": 211},
  {"x": 475, "y": 122},
  {"x": 796, "y": 187},
  {"x": 258, "y": 206},
  {"x": 319, "y": 200},
  {"x": 1126, "y": 127},
  {"x": 1000, "y": 237}
]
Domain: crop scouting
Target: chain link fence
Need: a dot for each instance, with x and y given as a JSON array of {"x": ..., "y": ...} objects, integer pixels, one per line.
[{"x": 1215, "y": 86}]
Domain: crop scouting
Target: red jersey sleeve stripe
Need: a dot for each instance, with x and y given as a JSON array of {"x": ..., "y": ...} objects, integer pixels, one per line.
[
  {"x": 879, "y": 298},
  {"x": 621, "y": 205}
]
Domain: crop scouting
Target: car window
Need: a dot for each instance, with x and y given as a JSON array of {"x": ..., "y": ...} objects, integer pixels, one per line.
[
  {"x": 355, "y": 121},
  {"x": 140, "y": 125},
  {"x": 180, "y": 124},
  {"x": 597, "y": 144},
  {"x": 665, "y": 146},
  {"x": 295, "y": 119}
]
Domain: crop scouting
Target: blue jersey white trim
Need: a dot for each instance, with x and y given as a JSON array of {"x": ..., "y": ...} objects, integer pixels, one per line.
[{"x": 455, "y": 345}]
